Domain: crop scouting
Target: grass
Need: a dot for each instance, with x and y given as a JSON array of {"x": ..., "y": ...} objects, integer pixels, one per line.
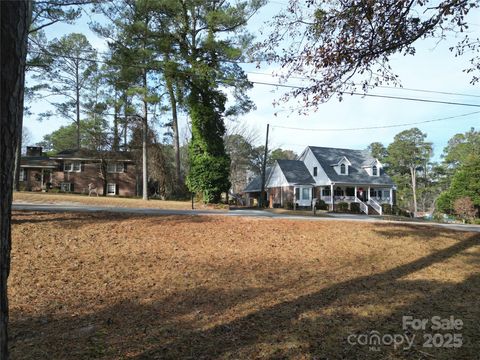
[
  {"x": 115, "y": 286},
  {"x": 77, "y": 199}
]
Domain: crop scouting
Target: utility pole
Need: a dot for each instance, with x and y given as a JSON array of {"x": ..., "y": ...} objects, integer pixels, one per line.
[{"x": 264, "y": 167}]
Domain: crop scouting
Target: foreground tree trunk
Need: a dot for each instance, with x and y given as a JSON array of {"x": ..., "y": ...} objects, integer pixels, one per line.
[
  {"x": 18, "y": 158},
  {"x": 15, "y": 21}
]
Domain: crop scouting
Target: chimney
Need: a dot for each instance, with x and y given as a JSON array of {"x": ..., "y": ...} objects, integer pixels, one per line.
[{"x": 34, "y": 151}]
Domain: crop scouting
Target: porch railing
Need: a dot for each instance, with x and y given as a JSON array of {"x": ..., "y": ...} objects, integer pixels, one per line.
[
  {"x": 363, "y": 206},
  {"x": 376, "y": 206},
  {"x": 326, "y": 198}
]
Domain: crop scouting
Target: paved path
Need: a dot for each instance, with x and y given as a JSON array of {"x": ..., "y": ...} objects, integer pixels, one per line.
[{"x": 245, "y": 213}]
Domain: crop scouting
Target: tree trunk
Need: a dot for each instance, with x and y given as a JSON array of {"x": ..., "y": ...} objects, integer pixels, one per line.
[
  {"x": 413, "y": 174},
  {"x": 77, "y": 104},
  {"x": 176, "y": 137},
  {"x": 116, "y": 141},
  {"x": 125, "y": 125},
  {"x": 144, "y": 140},
  {"x": 18, "y": 158},
  {"x": 15, "y": 21}
]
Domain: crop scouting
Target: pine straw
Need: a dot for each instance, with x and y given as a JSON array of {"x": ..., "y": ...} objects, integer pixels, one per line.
[{"x": 115, "y": 286}]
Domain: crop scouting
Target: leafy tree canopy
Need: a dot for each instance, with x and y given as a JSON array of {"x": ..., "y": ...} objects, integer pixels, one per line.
[
  {"x": 461, "y": 148},
  {"x": 65, "y": 138},
  {"x": 378, "y": 150},
  {"x": 409, "y": 150},
  {"x": 465, "y": 183}
]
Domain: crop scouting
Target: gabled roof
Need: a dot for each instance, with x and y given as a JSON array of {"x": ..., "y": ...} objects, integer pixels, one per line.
[
  {"x": 295, "y": 172},
  {"x": 343, "y": 160},
  {"x": 356, "y": 173},
  {"x": 255, "y": 184}
]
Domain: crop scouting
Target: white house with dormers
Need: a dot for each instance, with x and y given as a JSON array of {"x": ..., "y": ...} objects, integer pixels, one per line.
[{"x": 331, "y": 174}]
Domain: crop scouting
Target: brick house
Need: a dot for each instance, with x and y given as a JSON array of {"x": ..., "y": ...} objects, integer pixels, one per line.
[{"x": 71, "y": 171}]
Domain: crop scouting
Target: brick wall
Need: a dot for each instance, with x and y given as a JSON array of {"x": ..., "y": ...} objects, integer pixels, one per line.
[{"x": 90, "y": 173}]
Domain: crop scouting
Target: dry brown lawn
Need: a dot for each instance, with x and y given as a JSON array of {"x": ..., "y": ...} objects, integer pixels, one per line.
[
  {"x": 77, "y": 199},
  {"x": 115, "y": 286}
]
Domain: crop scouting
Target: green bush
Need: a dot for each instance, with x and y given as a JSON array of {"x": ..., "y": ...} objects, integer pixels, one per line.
[
  {"x": 288, "y": 205},
  {"x": 341, "y": 207},
  {"x": 321, "y": 205},
  {"x": 355, "y": 208},
  {"x": 387, "y": 209}
]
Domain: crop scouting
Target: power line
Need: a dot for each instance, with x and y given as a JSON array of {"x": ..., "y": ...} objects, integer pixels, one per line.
[
  {"x": 381, "y": 86},
  {"x": 377, "y": 95},
  {"x": 380, "y": 126}
]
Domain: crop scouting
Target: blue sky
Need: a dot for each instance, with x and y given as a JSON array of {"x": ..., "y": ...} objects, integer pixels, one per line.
[{"x": 433, "y": 67}]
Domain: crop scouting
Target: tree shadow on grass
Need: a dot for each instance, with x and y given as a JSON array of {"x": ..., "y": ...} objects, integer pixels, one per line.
[
  {"x": 79, "y": 219},
  {"x": 314, "y": 326}
]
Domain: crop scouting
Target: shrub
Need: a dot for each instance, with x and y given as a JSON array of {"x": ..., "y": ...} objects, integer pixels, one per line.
[
  {"x": 387, "y": 209},
  {"x": 321, "y": 205},
  {"x": 464, "y": 208},
  {"x": 288, "y": 205},
  {"x": 341, "y": 207},
  {"x": 404, "y": 213},
  {"x": 355, "y": 208}
]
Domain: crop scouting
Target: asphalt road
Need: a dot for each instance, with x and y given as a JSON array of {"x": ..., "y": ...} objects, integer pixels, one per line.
[{"x": 242, "y": 212}]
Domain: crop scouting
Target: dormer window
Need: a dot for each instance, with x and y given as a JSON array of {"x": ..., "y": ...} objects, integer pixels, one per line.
[
  {"x": 315, "y": 171},
  {"x": 343, "y": 169},
  {"x": 374, "y": 170}
]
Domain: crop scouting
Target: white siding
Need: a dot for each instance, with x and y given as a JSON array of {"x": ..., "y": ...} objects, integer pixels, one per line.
[
  {"x": 310, "y": 162},
  {"x": 276, "y": 178}
]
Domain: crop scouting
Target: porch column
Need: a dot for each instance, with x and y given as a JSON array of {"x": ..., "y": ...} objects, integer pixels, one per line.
[
  {"x": 391, "y": 196},
  {"x": 355, "y": 193},
  {"x": 368, "y": 194},
  {"x": 41, "y": 180},
  {"x": 331, "y": 195},
  {"x": 281, "y": 196}
]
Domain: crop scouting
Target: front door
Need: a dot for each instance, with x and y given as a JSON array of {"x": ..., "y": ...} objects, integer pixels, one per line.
[{"x": 362, "y": 194}]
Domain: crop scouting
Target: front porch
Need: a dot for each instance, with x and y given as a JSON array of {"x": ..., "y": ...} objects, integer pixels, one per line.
[{"x": 365, "y": 195}]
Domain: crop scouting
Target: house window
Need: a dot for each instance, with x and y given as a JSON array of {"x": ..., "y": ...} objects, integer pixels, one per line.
[
  {"x": 306, "y": 193},
  {"x": 338, "y": 191},
  {"x": 343, "y": 169},
  {"x": 112, "y": 189},
  {"x": 75, "y": 166},
  {"x": 326, "y": 192},
  {"x": 374, "y": 171},
  {"x": 350, "y": 191},
  {"x": 315, "y": 171},
  {"x": 297, "y": 193},
  {"x": 65, "y": 187},
  {"x": 115, "y": 167},
  {"x": 23, "y": 175}
]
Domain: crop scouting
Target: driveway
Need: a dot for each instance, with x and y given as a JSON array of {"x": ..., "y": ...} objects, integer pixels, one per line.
[{"x": 238, "y": 212}]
